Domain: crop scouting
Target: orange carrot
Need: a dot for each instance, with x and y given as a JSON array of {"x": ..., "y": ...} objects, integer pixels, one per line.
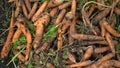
[
  {"x": 110, "y": 42},
  {"x": 7, "y": 46},
  {"x": 28, "y": 5},
  {"x": 53, "y": 3},
  {"x": 17, "y": 10},
  {"x": 103, "y": 31},
  {"x": 64, "y": 5},
  {"x": 34, "y": 8},
  {"x": 60, "y": 16},
  {"x": 39, "y": 11},
  {"x": 40, "y": 25},
  {"x": 105, "y": 58},
  {"x": 101, "y": 50},
  {"x": 110, "y": 29},
  {"x": 53, "y": 11},
  {"x": 81, "y": 64},
  {"x": 24, "y": 9},
  {"x": 92, "y": 8},
  {"x": 88, "y": 53},
  {"x": 73, "y": 8},
  {"x": 28, "y": 37}
]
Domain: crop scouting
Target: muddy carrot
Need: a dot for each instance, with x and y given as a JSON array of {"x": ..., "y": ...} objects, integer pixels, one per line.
[
  {"x": 88, "y": 53},
  {"x": 39, "y": 11},
  {"x": 40, "y": 25},
  {"x": 92, "y": 8},
  {"x": 60, "y": 16},
  {"x": 24, "y": 9},
  {"x": 103, "y": 31},
  {"x": 64, "y": 5},
  {"x": 101, "y": 50},
  {"x": 110, "y": 29},
  {"x": 53, "y": 3},
  {"x": 53, "y": 11},
  {"x": 100, "y": 16},
  {"x": 7, "y": 46},
  {"x": 81, "y": 64},
  {"x": 28, "y": 36},
  {"x": 71, "y": 57},
  {"x": 28, "y": 5},
  {"x": 105, "y": 58},
  {"x": 34, "y": 8}
]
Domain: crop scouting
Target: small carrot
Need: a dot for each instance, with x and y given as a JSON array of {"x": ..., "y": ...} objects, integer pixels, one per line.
[
  {"x": 71, "y": 57},
  {"x": 34, "y": 8},
  {"x": 24, "y": 9},
  {"x": 101, "y": 50},
  {"x": 88, "y": 53},
  {"x": 39, "y": 11},
  {"x": 53, "y": 3},
  {"x": 53, "y": 11},
  {"x": 64, "y": 5},
  {"x": 60, "y": 16},
  {"x": 73, "y": 7},
  {"x": 110, "y": 29},
  {"x": 40, "y": 25},
  {"x": 92, "y": 8},
  {"x": 81, "y": 64},
  {"x": 18, "y": 6},
  {"x": 105, "y": 58},
  {"x": 28, "y": 5},
  {"x": 103, "y": 31},
  {"x": 7, "y": 46},
  {"x": 101, "y": 15}
]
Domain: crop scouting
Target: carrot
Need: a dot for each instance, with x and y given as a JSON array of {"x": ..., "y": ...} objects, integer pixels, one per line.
[
  {"x": 73, "y": 7},
  {"x": 105, "y": 58},
  {"x": 49, "y": 65},
  {"x": 87, "y": 37},
  {"x": 7, "y": 46},
  {"x": 100, "y": 16},
  {"x": 110, "y": 29},
  {"x": 34, "y": 8},
  {"x": 99, "y": 6},
  {"x": 64, "y": 5},
  {"x": 17, "y": 10},
  {"x": 71, "y": 57},
  {"x": 60, "y": 16},
  {"x": 11, "y": 0},
  {"x": 110, "y": 42},
  {"x": 67, "y": 62},
  {"x": 24, "y": 8},
  {"x": 88, "y": 53},
  {"x": 28, "y": 5},
  {"x": 117, "y": 11},
  {"x": 16, "y": 35},
  {"x": 40, "y": 25},
  {"x": 81, "y": 64},
  {"x": 39, "y": 11},
  {"x": 53, "y": 11},
  {"x": 53, "y": 3},
  {"x": 103, "y": 31},
  {"x": 27, "y": 33},
  {"x": 101, "y": 50},
  {"x": 92, "y": 8}
]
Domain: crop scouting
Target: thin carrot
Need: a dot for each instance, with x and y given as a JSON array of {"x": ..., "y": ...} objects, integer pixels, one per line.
[
  {"x": 7, "y": 46},
  {"x": 53, "y": 11},
  {"x": 88, "y": 53},
  {"x": 103, "y": 31},
  {"x": 110, "y": 29},
  {"x": 67, "y": 62},
  {"x": 101, "y": 50},
  {"x": 71, "y": 57},
  {"x": 18, "y": 5},
  {"x": 39, "y": 11},
  {"x": 24, "y": 9},
  {"x": 64, "y": 5},
  {"x": 73, "y": 7},
  {"x": 28, "y": 5},
  {"x": 81, "y": 64},
  {"x": 53, "y": 3},
  {"x": 40, "y": 25},
  {"x": 110, "y": 42},
  {"x": 92, "y": 8},
  {"x": 60, "y": 16},
  {"x": 34, "y": 8}
]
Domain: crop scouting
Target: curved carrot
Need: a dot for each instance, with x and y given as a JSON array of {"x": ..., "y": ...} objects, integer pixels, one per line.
[
  {"x": 7, "y": 46},
  {"x": 39, "y": 11}
]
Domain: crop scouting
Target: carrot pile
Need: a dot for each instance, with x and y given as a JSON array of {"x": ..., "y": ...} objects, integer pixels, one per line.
[{"x": 92, "y": 26}]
